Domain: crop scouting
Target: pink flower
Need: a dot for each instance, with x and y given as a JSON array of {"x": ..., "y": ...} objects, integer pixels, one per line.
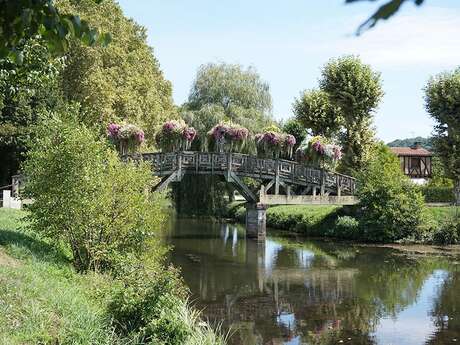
[
  {"x": 139, "y": 136},
  {"x": 189, "y": 134},
  {"x": 318, "y": 147},
  {"x": 169, "y": 126},
  {"x": 112, "y": 130},
  {"x": 290, "y": 140}
]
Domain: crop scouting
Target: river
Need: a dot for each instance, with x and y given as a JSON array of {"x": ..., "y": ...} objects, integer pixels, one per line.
[{"x": 294, "y": 291}]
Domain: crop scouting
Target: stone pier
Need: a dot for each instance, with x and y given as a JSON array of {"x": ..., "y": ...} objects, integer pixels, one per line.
[{"x": 256, "y": 221}]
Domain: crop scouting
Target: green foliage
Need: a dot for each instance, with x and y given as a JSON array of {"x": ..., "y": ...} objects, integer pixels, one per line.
[
  {"x": 26, "y": 91},
  {"x": 426, "y": 143},
  {"x": 310, "y": 220},
  {"x": 347, "y": 227},
  {"x": 392, "y": 206},
  {"x": 437, "y": 194},
  {"x": 295, "y": 128},
  {"x": 356, "y": 89},
  {"x": 220, "y": 93},
  {"x": 23, "y": 19},
  {"x": 384, "y": 12},
  {"x": 122, "y": 81},
  {"x": 442, "y": 98},
  {"x": 86, "y": 197},
  {"x": 46, "y": 302},
  {"x": 43, "y": 300},
  {"x": 316, "y": 113},
  {"x": 231, "y": 87},
  {"x": 448, "y": 232},
  {"x": 144, "y": 304},
  {"x": 439, "y": 177}
]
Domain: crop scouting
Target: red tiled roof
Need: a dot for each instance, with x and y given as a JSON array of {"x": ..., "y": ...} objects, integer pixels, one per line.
[{"x": 408, "y": 151}]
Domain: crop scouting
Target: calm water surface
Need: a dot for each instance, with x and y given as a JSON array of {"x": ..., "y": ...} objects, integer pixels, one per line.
[{"x": 288, "y": 291}]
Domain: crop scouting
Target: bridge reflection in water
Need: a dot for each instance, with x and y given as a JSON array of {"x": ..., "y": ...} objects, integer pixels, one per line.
[{"x": 281, "y": 291}]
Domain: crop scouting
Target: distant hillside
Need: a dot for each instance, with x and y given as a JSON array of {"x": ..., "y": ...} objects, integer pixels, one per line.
[{"x": 424, "y": 142}]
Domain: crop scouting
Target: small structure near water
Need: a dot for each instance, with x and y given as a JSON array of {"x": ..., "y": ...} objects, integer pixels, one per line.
[{"x": 415, "y": 162}]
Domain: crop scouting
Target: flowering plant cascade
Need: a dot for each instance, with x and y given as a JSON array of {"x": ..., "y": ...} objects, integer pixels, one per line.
[
  {"x": 175, "y": 135},
  {"x": 227, "y": 137},
  {"x": 274, "y": 144},
  {"x": 320, "y": 151},
  {"x": 126, "y": 137}
]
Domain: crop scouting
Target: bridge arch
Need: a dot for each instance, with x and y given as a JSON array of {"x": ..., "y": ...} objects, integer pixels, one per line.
[{"x": 300, "y": 184}]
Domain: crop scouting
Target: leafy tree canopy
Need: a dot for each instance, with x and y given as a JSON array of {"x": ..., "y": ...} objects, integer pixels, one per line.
[
  {"x": 26, "y": 90},
  {"x": 122, "y": 81},
  {"x": 316, "y": 113},
  {"x": 295, "y": 128},
  {"x": 442, "y": 101},
  {"x": 232, "y": 87},
  {"x": 23, "y": 19},
  {"x": 356, "y": 90},
  {"x": 426, "y": 143}
]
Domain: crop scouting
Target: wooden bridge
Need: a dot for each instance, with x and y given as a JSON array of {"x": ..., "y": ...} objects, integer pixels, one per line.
[{"x": 300, "y": 184}]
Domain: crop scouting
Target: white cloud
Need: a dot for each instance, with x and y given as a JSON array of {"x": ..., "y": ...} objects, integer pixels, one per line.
[{"x": 421, "y": 37}]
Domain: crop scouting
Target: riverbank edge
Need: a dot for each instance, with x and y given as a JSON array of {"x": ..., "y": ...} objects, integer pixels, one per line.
[
  {"x": 44, "y": 300},
  {"x": 333, "y": 221}
]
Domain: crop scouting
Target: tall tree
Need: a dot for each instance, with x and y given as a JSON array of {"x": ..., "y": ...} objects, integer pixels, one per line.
[
  {"x": 24, "y": 19},
  {"x": 316, "y": 113},
  {"x": 26, "y": 90},
  {"x": 122, "y": 81},
  {"x": 356, "y": 89},
  {"x": 442, "y": 98},
  {"x": 244, "y": 97},
  {"x": 220, "y": 92}
]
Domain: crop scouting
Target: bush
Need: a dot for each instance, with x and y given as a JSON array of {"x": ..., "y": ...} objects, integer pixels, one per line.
[
  {"x": 148, "y": 306},
  {"x": 438, "y": 194},
  {"x": 346, "y": 227},
  {"x": 448, "y": 232},
  {"x": 86, "y": 197},
  {"x": 391, "y": 206}
]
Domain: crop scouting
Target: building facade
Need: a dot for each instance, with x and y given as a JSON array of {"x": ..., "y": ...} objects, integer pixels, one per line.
[{"x": 415, "y": 161}]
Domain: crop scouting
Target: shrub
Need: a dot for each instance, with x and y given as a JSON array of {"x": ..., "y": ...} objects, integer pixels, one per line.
[
  {"x": 148, "y": 306},
  {"x": 438, "y": 194},
  {"x": 448, "y": 232},
  {"x": 346, "y": 227},
  {"x": 86, "y": 197},
  {"x": 391, "y": 206}
]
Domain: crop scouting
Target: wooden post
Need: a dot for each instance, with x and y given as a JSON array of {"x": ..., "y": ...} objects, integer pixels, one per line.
[
  {"x": 179, "y": 163},
  {"x": 323, "y": 183},
  {"x": 277, "y": 178},
  {"x": 338, "y": 185}
]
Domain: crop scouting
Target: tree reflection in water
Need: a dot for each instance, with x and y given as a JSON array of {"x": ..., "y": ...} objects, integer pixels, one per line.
[{"x": 286, "y": 292}]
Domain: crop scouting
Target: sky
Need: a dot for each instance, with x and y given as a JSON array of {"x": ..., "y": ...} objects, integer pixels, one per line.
[{"x": 289, "y": 41}]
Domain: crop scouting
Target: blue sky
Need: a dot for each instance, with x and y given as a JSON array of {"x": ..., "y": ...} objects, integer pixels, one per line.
[{"x": 288, "y": 42}]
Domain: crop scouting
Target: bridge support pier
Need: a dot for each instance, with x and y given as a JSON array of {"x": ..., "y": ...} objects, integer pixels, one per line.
[{"x": 256, "y": 221}]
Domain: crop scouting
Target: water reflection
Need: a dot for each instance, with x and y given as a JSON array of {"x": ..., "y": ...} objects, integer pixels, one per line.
[{"x": 284, "y": 292}]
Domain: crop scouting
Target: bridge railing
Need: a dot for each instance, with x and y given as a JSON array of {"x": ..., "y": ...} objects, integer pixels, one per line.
[{"x": 244, "y": 165}]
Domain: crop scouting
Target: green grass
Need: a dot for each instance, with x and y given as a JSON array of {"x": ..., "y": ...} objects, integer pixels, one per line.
[
  {"x": 441, "y": 214},
  {"x": 42, "y": 299}
]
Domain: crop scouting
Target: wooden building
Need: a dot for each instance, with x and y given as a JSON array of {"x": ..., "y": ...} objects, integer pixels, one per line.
[{"x": 415, "y": 161}]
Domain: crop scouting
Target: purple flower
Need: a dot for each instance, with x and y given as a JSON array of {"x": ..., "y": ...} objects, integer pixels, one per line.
[
  {"x": 139, "y": 136},
  {"x": 112, "y": 130},
  {"x": 189, "y": 134},
  {"x": 289, "y": 140},
  {"x": 318, "y": 147},
  {"x": 169, "y": 126}
]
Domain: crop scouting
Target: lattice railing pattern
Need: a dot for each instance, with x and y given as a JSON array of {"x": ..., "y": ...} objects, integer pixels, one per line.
[{"x": 288, "y": 172}]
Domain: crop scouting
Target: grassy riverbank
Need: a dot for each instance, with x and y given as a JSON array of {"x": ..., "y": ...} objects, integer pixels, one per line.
[
  {"x": 328, "y": 220},
  {"x": 44, "y": 301}
]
